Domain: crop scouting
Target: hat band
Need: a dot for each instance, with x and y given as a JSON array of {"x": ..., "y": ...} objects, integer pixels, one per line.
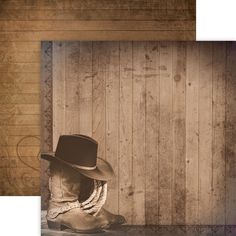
[{"x": 85, "y": 167}]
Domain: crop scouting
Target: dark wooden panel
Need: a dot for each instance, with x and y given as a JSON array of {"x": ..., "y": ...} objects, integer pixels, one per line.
[
  {"x": 74, "y": 25},
  {"x": 96, "y": 35},
  {"x": 99, "y": 14},
  {"x": 94, "y": 4}
]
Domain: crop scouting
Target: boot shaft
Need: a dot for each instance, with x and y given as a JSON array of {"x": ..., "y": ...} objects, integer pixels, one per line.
[{"x": 64, "y": 183}]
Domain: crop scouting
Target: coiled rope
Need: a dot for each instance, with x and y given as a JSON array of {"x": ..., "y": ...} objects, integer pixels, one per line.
[
  {"x": 90, "y": 206},
  {"x": 97, "y": 199}
]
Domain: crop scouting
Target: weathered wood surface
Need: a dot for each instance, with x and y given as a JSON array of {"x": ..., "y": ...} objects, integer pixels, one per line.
[
  {"x": 165, "y": 130},
  {"x": 95, "y": 25},
  {"x": 205, "y": 133},
  {"x": 162, "y": 113},
  {"x": 96, "y": 35},
  {"x": 99, "y": 14},
  {"x": 154, "y": 230},
  {"x": 103, "y": 4},
  {"x": 29, "y": 21},
  {"x": 125, "y": 130},
  {"x": 23, "y": 24},
  {"x": 192, "y": 140},
  {"x": 230, "y": 135}
]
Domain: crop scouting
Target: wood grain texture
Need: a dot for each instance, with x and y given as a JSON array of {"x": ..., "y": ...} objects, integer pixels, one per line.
[
  {"x": 162, "y": 113},
  {"x": 20, "y": 63},
  {"x": 96, "y": 35},
  {"x": 72, "y": 25},
  {"x": 71, "y": 90},
  {"x": 99, "y": 14},
  {"x": 205, "y": 133},
  {"x": 179, "y": 133},
  {"x": 139, "y": 121},
  {"x": 152, "y": 230},
  {"x": 112, "y": 119},
  {"x": 218, "y": 119},
  {"x": 166, "y": 135},
  {"x": 230, "y": 134},
  {"x": 125, "y": 131},
  {"x": 85, "y": 88},
  {"x": 100, "y": 63},
  {"x": 97, "y": 20},
  {"x": 152, "y": 76},
  {"x": 192, "y": 140},
  {"x": 93, "y": 4},
  {"x": 23, "y": 24}
]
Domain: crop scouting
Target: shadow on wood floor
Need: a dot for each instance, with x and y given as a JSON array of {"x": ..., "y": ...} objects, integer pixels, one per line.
[{"x": 158, "y": 230}]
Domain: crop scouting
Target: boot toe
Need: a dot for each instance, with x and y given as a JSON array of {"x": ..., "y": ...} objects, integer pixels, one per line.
[{"x": 120, "y": 220}]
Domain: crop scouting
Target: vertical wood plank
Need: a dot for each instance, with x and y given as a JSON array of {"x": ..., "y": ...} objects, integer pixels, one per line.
[
  {"x": 231, "y": 134},
  {"x": 58, "y": 84},
  {"x": 100, "y": 63},
  {"x": 72, "y": 51},
  {"x": 177, "y": 4},
  {"x": 112, "y": 118},
  {"x": 138, "y": 133},
  {"x": 205, "y": 133},
  {"x": 192, "y": 140},
  {"x": 218, "y": 138},
  {"x": 43, "y": 13},
  {"x": 179, "y": 81},
  {"x": 125, "y": 136},
  {"x": 85, "y": 88},
  {"x": 166, "y": 134},
  {"x": 152, "y": 75},
  {"x": 120, "y": 114}
]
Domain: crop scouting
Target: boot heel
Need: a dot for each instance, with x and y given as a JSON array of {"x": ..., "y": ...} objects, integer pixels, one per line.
[{"x": 55, "y": 226}]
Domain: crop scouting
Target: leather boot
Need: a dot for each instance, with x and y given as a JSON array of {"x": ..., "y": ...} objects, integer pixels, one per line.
[
  {"x": 103, "y": 214},
  {"x": 113, "y": 219},
  {"x": 64, "y": 208}
]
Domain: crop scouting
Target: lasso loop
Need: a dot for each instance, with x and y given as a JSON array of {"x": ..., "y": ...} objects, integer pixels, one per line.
[
  {"x": 19, "y": 155},
  {"x": 97, "y": 199}
]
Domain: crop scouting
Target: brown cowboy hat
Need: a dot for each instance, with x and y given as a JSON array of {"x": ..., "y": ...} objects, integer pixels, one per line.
[{"x": 80, "y": 153}]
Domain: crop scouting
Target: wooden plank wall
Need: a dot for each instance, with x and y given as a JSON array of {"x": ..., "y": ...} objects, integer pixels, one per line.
[
  {"x": 164, "y": 116},
  {"x": 24, "y": 23},
  {"x": 35, "y": 20}
]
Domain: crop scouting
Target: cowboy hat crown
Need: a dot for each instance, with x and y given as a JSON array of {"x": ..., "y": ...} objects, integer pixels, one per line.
[{"x": 80, "y": 152}]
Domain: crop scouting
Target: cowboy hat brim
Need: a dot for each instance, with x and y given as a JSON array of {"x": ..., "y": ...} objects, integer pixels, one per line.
[{"x": 103, "y": 170}]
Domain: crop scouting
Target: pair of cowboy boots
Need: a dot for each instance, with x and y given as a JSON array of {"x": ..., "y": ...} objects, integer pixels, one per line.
[{"x": 68, "y": 188}]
